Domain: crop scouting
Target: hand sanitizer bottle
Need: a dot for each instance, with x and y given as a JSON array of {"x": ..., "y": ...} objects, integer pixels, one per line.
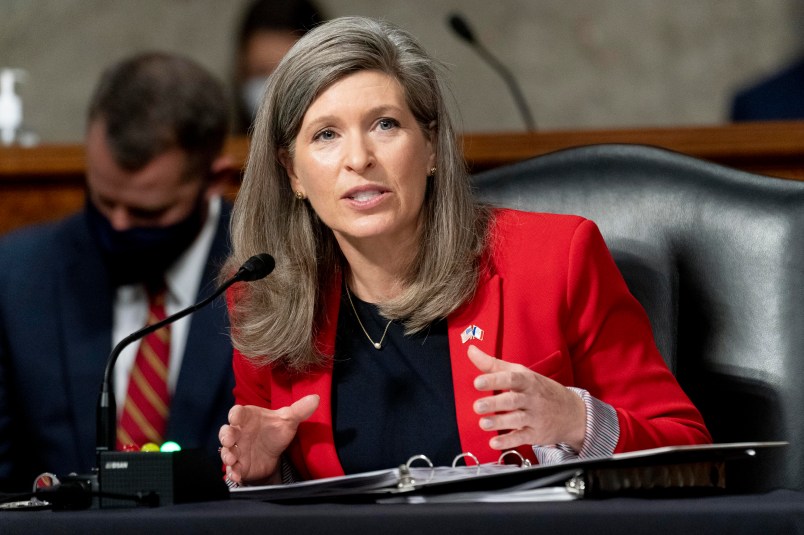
[
  {"x": 10, "y": 106},
  {"x": 11, "y": 129}
]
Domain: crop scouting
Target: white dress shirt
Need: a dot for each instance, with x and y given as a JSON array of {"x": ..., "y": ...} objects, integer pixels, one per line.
[{"x": 131, "y": 306}]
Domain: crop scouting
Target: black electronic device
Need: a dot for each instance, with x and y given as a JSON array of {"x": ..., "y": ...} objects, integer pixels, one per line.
[{"x": 129, "y": 479}]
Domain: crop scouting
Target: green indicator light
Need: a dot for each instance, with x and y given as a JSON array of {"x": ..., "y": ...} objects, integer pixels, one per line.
[{"x": 170, "y": 446}]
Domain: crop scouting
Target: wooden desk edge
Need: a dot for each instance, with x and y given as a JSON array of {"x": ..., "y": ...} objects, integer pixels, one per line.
[
  {"x": 46, "y": 182},
  {"x": 773, "y": 145}
]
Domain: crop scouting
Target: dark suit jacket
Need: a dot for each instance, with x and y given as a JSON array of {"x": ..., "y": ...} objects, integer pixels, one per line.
[
  {"x": 55, "y": 337},
  {"x": 551, "y": 299},
  {"x": 778, "y": 97}
]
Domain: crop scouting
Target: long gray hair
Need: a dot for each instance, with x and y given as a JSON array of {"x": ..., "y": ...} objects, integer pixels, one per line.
[{"x": 276, "y": 319}]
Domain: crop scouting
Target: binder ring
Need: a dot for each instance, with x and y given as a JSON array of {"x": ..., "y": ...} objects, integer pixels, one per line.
[
  {"x": 424, "y": 458},
  {"x": 524, "y": 463},
  {"x": 466, "y": 454}
]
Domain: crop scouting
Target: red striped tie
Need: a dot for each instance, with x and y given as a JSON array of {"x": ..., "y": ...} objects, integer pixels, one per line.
[{"x": 147, "y": 401}]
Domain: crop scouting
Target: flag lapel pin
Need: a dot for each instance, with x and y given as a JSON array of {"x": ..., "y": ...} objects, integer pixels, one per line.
[{"x": 473, "y": 332}]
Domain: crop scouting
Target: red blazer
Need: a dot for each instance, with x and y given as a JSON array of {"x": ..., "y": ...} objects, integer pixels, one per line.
[{"x": 549, "y": 297}]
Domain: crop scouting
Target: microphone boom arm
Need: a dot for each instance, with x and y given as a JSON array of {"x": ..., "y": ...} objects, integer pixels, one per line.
[
  {"x": 512, "y": 84},
  {"x": 460, "y": 26},
  {"x": 254, "y": 268}
]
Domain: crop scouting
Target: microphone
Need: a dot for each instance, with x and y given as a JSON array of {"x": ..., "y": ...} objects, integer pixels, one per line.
[
  {"x": 255, "y": 268},
  {"x": 462, "y": 30}
]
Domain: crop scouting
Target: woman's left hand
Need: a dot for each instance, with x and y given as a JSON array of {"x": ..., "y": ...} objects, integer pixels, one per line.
[{"x": 531, "y": 407}]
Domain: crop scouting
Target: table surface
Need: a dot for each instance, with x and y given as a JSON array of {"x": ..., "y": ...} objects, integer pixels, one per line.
[{"x": 779, "y": 511}]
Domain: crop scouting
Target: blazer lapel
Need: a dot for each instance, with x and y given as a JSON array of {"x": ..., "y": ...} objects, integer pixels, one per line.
[
  {"x": 475, "y": 323},
  {"x": 205, "y": 380},
  {"x": 315, "y": 435},
  {"x": 85, "y": 311},
  {"x": 203, "y": 392}
]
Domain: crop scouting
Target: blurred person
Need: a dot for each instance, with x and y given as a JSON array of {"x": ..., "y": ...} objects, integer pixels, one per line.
[
  {"x": 777, "y": 97},
  {"x": 403, "y": 316},
  {"x": 267, "y": 31},
  {"x": 150, "y": 240}
]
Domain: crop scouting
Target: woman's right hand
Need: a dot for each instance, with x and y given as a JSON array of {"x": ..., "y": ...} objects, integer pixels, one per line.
[{"x": 255, "y": 438}]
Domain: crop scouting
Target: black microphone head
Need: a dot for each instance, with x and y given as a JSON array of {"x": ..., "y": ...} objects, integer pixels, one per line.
[
  {"x": 461, "y": 27},
  {"x": 256, "y": 267}
]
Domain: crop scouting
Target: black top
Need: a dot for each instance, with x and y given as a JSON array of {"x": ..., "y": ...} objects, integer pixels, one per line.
[{"x": 395, "y": 402}]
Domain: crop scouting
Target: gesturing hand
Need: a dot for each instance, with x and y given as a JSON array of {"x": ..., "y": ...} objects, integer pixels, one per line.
[
  {"x": 255, "y": 438},
  {"x": 533, "y": 408}
]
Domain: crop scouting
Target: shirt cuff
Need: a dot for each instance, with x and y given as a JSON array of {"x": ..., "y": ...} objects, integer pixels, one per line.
[
  {"x": 602, "y": 434},
  {"x": 286, "y": 472}
]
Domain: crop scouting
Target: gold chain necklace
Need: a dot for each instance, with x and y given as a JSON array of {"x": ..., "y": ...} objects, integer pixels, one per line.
[{"x": 377, "y": 345}]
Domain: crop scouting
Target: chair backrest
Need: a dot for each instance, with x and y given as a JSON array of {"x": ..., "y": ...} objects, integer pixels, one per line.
[{"x": 716, "y": 257}]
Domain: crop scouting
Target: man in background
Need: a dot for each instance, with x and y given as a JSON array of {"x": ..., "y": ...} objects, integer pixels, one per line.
[{"x": 149, "y": 242}]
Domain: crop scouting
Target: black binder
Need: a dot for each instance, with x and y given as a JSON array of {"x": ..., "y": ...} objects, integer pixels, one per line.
[{"x": 667, "y": 471}]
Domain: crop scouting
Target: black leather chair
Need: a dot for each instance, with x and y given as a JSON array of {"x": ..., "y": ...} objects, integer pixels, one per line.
[{"x": 716, "y": 257}]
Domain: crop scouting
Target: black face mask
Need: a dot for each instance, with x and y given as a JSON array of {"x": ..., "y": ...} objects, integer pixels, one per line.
[{"x": 142, "y": 254}]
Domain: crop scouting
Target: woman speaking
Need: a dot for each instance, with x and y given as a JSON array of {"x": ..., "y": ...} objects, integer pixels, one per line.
[{"x": 404, "y": 317}]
